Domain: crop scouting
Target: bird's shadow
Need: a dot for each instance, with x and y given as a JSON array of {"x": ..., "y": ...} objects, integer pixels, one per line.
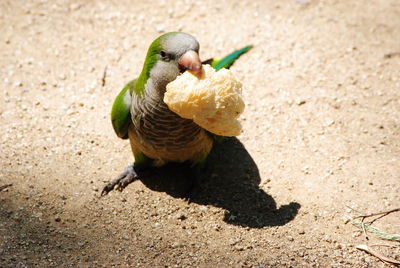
[{"x": 231, "y": 184}]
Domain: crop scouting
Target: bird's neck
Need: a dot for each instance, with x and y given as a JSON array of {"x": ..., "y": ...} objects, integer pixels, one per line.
[
  {"x": 160, "y": 75},
  {"x": 155, "y": 88}
]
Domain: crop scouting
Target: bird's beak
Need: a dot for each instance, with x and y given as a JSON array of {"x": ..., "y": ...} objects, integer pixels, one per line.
[{"x": 191, "y": 61}]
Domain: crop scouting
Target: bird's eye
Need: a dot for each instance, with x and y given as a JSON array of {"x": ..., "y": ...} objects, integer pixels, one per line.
[{"x": 164, "y": 55}]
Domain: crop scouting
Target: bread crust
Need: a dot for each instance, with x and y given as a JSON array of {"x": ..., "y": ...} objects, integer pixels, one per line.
[{"x": 214, "y": 102}]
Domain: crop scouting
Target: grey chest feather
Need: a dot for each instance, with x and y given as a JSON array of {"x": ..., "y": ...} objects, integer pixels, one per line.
[{"x": 159, "y": 127}]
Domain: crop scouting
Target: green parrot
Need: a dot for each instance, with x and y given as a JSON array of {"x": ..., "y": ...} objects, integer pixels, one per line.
[{"x": 157, "y": 135}]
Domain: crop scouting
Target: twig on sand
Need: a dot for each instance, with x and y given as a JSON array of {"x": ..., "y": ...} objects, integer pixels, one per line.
[
  {"x": 103, "y": 78},
  {"x": 380, "y": 214},
  {"x": 379, "y": 233},
  {"x": 378, "y": 254},
  {"x": 384, "y": 245},
  {"x": 366, "y": 226},
  {"x": 5, "y": 186},
  {"x": 391, "y": 55}
]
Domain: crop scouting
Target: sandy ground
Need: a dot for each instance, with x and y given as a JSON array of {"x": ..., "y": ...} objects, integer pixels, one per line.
[{"x": 321, "y": 140}]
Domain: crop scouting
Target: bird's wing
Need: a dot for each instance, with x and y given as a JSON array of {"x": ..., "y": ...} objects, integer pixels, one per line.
[{"x": 120, "y": 113}]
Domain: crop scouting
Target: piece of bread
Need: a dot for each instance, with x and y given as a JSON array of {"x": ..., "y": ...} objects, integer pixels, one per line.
[{"x": 214, "y": 102}]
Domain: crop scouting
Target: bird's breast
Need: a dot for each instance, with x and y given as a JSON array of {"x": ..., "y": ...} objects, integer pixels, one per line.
[{"x": 161, "y": 134}]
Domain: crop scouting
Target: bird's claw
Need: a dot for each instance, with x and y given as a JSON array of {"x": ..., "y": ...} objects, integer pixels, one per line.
[{"x": 128, "y": 176}]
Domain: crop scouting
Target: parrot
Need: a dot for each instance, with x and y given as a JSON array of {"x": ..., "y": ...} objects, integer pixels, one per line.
[{"x": 157, "y": 135}]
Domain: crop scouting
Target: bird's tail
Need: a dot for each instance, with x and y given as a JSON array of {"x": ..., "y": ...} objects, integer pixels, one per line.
[{"x": 227, "y": 61}]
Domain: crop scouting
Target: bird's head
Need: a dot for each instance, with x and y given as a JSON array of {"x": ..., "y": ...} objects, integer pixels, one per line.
[{"x": 170, "y": 55}]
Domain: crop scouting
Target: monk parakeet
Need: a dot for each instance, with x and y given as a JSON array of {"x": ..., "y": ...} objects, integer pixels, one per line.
[{"x": 158, "y": 135}]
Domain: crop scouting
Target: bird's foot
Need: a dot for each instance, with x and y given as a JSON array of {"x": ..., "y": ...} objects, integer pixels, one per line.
[
  {"x": 128, "y": 176},
  {"x": 192, "y": 192}
]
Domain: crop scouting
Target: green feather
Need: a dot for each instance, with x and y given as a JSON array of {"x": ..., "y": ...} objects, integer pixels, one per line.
[
  {"x": 228, "y": 60},
  {"x": 150, "y": 61},
  {"x": 141, "y": 159},
  {"x": 120, "y": 112}
]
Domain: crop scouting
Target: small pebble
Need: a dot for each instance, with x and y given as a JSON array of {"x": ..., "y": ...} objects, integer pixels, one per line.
[
  {"x": 160, "y": 28},
  {"x": 18, "y": 84},
  {"x": 181, "y": 217},
  {"x": 239, "y": 248},
  {"x": 300, "y": 102}
]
